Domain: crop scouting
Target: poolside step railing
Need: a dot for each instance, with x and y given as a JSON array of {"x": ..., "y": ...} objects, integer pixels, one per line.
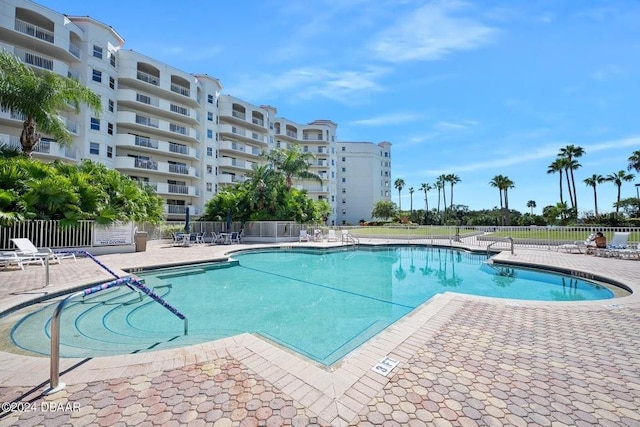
[{"x": 130, "y": 282}]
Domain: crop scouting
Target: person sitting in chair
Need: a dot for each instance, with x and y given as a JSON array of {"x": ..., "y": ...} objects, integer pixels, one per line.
[{"x": 599, "y": 241}]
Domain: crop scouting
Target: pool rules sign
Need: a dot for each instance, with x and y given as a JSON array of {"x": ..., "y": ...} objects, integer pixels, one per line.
[{"x": 384, "y": 366}]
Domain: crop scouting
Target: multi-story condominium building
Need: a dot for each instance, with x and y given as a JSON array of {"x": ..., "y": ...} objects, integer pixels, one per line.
[
  {"x": 160, "y": 125},
  {"x": 364, "y": 178}
]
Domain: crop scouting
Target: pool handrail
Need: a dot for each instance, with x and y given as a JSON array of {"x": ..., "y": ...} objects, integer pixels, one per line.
[{"x": 54, "y": 381}]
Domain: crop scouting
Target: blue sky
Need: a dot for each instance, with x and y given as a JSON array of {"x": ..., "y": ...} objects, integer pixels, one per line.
[{"x": 474, "y": 88}]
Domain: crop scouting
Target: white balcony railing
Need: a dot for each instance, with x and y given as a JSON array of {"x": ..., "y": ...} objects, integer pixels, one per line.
[
  {"x": 146, "y": 77},
  {"x": 33, "y": 30}
]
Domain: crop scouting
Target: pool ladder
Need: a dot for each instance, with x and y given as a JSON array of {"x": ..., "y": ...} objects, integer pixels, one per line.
[{"x": 510, "y": 239}]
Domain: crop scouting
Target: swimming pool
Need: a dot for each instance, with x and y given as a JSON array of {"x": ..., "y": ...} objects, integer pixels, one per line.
[{"x": 319, "y": 303}]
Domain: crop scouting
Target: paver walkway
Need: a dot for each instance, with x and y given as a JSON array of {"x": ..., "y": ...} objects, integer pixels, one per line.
[{"x": 463, "y": 361}]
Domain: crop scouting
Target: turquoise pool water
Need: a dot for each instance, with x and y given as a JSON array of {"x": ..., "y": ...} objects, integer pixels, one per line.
[{"x": 321, "y": 304}]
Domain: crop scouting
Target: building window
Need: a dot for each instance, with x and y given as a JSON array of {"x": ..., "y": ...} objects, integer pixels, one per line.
[
  {"x": 344, "y": 159},
  {"x": 210, "y": 151},
  {"x": 210, "y": 99},
  {"x": 94, "y": 148},
  {"x": 111, "y": 105},
  {"x": 209, "y": 169},
  {"x": 97, "y": 76},
  {"x": 110, "y": 128},
  {"x": 210, "y": 116},
  {"x": 112, "y": 83},
  {"x": 344, "y": 212},
  {"x": 109, "y": 151},
  {"x": 344, "y": 200},
  {"x": 305, "y": 148},
  {"x": 344, "y": 169},
  {"x": 333, "y": 198},
  {"x": 95, "y": 123},
  {"x": 209, "y": 186},
  {"x": 344, "y": 179},
  {"x": 344, "y": 148},
  {"x": 97, "y": 51},
  {"x": 209, "y": 133},
  {"x": 344, "y": 190},
  {"x": 112, "y": 59}
]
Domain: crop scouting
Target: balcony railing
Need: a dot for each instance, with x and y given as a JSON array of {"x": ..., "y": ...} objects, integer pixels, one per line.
[
  {"x": 239, "y": 115},
  {"x": 146, "y": 99},
  {"x": 178, "y": 129},
  {"x": 182, "y": 169},
  {"x": 312, "y": 137},
  {"x": 148, "y": 121},
  {"x": 143, "y": 141},
  {"x": 33, "y": 30},
  {"x": 238, "y": 131},
  {"x": 257, "y": 121},
  {"x": 74, "y": 50},
  {"x": 35, "y": 60},
  {"x": 43, "y": 147},
  {"x": 177, "y": 148},
  {"x": 178, "y": 109},
  {"x": 257, "y": 137},
  {"x": 146, "y": 164},
  {"x": 178, "y": 189},
  {"x": 178, "y": 209},
  {"x": 146, "y": 77},
  {"x": 292, "y": 134},
  {"x": 180, "y": 89}
]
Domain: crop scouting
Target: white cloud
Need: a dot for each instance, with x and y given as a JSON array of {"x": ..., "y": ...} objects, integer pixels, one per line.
[
  {"x": 429, "y": 33},
  {"x": 388, "y": 119}
]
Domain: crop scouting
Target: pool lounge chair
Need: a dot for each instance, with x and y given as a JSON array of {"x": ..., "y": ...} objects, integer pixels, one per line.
[
  {"x": 304, "y": 236},
  {"x": 578, "y": 245},
  {"x": 27, "y": 248},
  {"x": 618, "y": 242},
  {"x": 629, "y": 253},
  {"x": 331, "y": 237},
  {"x": 9, "y": 258}
]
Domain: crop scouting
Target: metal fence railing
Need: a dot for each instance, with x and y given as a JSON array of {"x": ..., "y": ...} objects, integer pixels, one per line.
[{"x": 51, "y": 234}]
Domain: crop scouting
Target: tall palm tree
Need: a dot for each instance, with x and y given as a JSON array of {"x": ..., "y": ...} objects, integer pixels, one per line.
[
  {"x": 557, "y": 167},
  {"x": 593, "y": 181},
  {"x": 426, "y": 188},
  {"x": 411, "y": 190},
  {"x": 443, "y": 179},
  {"x": 634, "y": 161},
  {"x": 293, "y": 163},
  {"x": 507, "y": 184},
  {"x": 503, "y": 184},
  {"x": 438, "y": 186},
  {"x": 572, "y": 152},
  {"x": 399, "y": 184},
  {"x": 40, "y": 97},
  {"x": 497, "y": 182},
  {"x": 532, "y": 205},
  {"x": 452, "y": 179},
  {"x": 618, "y": 178}
]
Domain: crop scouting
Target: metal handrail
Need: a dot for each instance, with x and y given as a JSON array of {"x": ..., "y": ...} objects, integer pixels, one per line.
[
  {"x": 510, "y": 239},
  {"x": 54, "y": 381}
]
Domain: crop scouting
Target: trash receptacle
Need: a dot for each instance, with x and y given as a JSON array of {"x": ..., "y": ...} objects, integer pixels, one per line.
[{"x": 141, "y": 241}]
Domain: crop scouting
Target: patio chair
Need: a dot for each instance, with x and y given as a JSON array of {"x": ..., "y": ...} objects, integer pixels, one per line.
[
  {"x": 234, "y": 237},
  {"x": 304, "y": 236},
  {"x": 578, "y": 245},
  {"x": 629, "y": 253},
  {"x": 199, "y": 238},
  {"x": 331, "y": 237}
]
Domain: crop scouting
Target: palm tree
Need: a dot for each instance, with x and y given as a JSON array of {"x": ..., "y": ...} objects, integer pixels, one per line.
[
  {"x": 411, "y": 190},
  {"x": 503, "y": 183},
  {"x": 399, "y": 184},
  {"x": 572, "y": 152},
  {"x": 438, "y": 186},
  {"x": 452, "y": 179},
  {"x": 557, "y": 167},
  {"x": 593, "y": 181},
  {"x": 442, "y": 179},
  {"x": 532, "y": 205},
  {"x": 617, "y": 179},
  {"x": 426, "y": 188},
  {"x": 293, "y": 163},
  {"x": 634, "y": 161},
  {"x": 40, "y": 97}
]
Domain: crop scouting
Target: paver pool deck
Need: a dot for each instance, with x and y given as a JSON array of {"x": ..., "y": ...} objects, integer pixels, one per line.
[{"x": 463, "y": 361}]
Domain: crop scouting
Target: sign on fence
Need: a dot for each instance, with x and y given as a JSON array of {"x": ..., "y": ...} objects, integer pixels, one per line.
[{"x": 115, "y": 234}]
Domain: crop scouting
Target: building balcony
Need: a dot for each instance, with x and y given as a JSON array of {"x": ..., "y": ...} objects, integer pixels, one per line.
[
  {"x": 163, "y": 188},
  {"x": 157, "y": 106},
  {"x": 226, "y": 178},
  {"x": 150, "y": 145},
  {"x": 242, "y": 165},
  {"x": 313, "y": 188},
  {"x": 241, "y": 118},
  {"x": 287, "y": 135},
  {"x": 45, "y": 149},
  {"x": 181, "y": 210},
  {"x": 146, "y": 123},
  {"x": 136, "y": 165},
  {"x": 245, "y": 134},
  {"x": 238, "y": 148}
]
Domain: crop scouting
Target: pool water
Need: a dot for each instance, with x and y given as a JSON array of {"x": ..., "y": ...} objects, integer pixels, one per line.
[{"x": 321, "y": 304}]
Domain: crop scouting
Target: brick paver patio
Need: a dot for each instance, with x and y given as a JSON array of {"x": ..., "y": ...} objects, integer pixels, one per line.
[{"x": 463, "y": 361}]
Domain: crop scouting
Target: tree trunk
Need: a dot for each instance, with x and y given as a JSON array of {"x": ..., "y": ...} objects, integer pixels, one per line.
[{"x": 29, "y": 138}]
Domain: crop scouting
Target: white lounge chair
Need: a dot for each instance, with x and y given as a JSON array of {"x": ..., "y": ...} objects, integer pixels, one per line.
[
  {"x": 27, "y": 248},
  {"x": 331, "y": 237},
  {"x": 304, "y": 236},
  {"x": 9, "y": 258},
  {"x": 629, "y": 253},
  {"x": 578, "y": 245},
  {"x": 317, "y": 235},
  {"x": 618, "y": 242}
]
